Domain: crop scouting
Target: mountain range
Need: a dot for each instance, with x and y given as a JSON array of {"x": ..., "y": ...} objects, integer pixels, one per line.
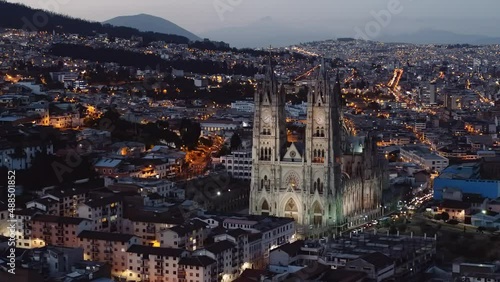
[
  {"x": 259, "y": 34},
  {"x": 145, "y": 23},
  {"x": 433, "y": 36},
  {"x": 266, "y": 31},
  {"x": 19, "y": 16}
]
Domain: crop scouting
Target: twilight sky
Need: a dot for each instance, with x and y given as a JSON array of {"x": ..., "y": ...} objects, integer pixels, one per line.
[{"x": 316, "y": 18}]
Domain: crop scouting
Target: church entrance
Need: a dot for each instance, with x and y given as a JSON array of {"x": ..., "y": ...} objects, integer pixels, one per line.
[
  {"x": 265, "y": 208},
  {"x": 291, "y": 210},
  {"x": 317, "y": 214}
]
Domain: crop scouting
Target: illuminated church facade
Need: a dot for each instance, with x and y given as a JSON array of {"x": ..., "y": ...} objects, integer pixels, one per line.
[{"x": 332, "y": 179}]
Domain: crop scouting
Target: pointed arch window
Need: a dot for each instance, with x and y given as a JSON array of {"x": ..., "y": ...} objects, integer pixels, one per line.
[{"x": 291, "y": 209}]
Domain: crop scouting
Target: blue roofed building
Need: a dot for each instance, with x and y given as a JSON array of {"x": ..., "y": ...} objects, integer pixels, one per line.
[{"x": 466, "y": 178}]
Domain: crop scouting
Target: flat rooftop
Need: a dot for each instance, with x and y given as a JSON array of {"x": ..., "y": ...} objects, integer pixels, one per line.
[
  {"x": 462, "y": 171},
  {"x": 422, "y": 151}
]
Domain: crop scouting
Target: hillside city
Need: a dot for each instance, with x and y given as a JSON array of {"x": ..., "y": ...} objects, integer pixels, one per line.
[{"x": 137, "y": 161}]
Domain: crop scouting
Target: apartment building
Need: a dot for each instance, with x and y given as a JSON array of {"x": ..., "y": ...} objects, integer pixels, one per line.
[
  {"x": 148, "y": 226},
  {"x": 197, "y": 269},
  {"x": 225, "y": 253},
  {"x": 107, "y": 247},
  {"x": 238, "y": 164},
  {"x": 46, "y": 204},
  {"x": 57, "y": 230},
  {"x": 146, "y": 263},
  {"x": 19, "y": 156},
  {"x": 105, "y": 213},
  {"x": 68, "y": 199},
  {"x": 24, "y": 227},
  {"x": 189, "y": 236}
]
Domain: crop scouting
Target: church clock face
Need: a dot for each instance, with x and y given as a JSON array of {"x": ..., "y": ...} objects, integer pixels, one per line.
[
  {"x": 320, "y": 118},
  {"x": 266, "y": 116}
]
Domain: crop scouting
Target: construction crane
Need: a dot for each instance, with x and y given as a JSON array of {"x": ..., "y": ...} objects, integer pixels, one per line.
[{"x": 394, "y": 82}]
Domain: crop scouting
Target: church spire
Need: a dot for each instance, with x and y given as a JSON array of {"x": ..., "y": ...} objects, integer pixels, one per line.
[
  {"x": 322, "y": 89},
  {"x": 323, "y": 74},
  {"x": 270, "y": 85}
]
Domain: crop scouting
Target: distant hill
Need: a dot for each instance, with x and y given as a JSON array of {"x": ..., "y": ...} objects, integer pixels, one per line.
[
  {"x": 20, "y": 16},
  {"x": 144, "y": 22},
  {"x": 264, "y": 32},
  {"x": 431, "y": 36}
]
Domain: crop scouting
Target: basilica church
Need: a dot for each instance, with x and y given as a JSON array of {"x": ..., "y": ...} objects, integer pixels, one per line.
[{"x": 332, "y": 180}]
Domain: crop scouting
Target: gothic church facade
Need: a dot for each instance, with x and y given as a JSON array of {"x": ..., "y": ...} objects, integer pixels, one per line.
[{"x": 331, "y": 180}]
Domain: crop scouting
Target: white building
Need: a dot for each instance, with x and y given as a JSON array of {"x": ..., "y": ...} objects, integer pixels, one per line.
[
  {"x": 20, "y": 158},
  {"x": 243, "y": 106},
  {"x": 105, "y": 213},
  {"x": 218, "y": 127},
  {"x": 422, "y": 156},
  {"x": 275, "y": 231},
  {"x": 227, "y": 267},
  {"x": 239, "y": 164}
]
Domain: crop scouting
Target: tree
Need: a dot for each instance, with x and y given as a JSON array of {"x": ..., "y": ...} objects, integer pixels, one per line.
[
  {"x": 223, "y": 151},
  {"x": 206, "y": 142},
  {"x": 445, "y": 216},
  {"x": 235, "y": 141},
  {"x": 190, "y": 133},
  {"x": 438, "y": 216}
]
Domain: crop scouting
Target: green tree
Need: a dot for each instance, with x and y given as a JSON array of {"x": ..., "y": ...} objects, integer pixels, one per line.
[{"x": 445, "y": 216}]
